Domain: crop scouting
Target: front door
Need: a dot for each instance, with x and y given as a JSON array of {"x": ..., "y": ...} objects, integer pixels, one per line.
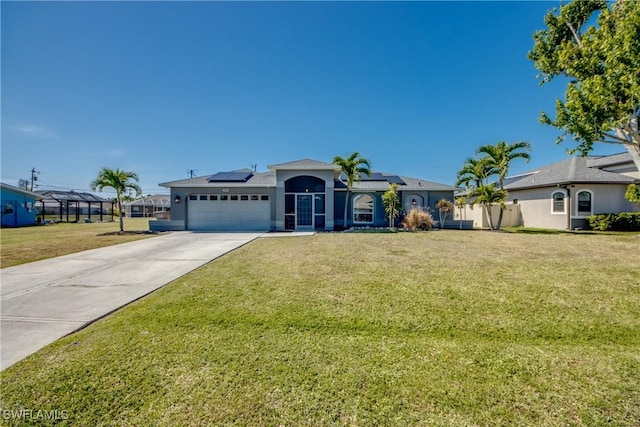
[{"x": 304, "y": 212}]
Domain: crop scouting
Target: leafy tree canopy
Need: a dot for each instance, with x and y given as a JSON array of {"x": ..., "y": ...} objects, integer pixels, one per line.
[
  {"x": 633, "y": 194},
  {"x": 596, "y": 45}
]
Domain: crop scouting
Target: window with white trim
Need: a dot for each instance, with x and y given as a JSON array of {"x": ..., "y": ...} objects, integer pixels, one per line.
[
  {"x": 584, "y": 203},
  {"x": 363, "y": 208},
  {"x": 557, "y": 202}
]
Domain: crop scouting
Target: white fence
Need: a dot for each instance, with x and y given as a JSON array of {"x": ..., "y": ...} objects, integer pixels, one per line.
[{"x": 510, "y": 217}]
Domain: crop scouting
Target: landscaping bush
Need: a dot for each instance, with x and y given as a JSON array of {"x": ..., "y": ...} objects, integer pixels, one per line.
[
  {"x": 418, "y": 218},
  {"x": 624, "y": 221}
]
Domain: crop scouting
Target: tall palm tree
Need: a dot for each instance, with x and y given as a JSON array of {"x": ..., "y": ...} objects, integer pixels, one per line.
[
  {"x": 352, "y": 167},
  {"x": 474, "y": 173},
  {"x": 487, "y": 195},
  {"x": 499, "y": 158},
  {"x": 119, "y": 180}
]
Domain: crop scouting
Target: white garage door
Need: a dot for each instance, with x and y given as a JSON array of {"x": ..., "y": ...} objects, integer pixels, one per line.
[{"x": 229, "y": 212}]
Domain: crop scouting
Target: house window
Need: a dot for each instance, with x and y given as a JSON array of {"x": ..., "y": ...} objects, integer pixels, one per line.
[
  {"x": 244, "y": 197},
  {"x": 254, "y": 197},
  {"x": 193, "y": 197},
  {"x": 363, "y": 208},
  {"x": 234, "y": 197},
  {"x": 585, "y": 204},
  {"x": 224, "y": 197},
  {"x": 264, "y": 197},
  {"x": 203, "y": 197},
  {"x": 558, "y": 202},
  {"x": 213, "y": 198}
]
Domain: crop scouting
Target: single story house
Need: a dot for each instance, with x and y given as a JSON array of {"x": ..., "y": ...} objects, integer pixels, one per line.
[
  {"x": 562, "y": 195},
  {"x": 18, "y": 206},
  {"x": 299, "y": 195},
  {"x": 157, "y": 205}
]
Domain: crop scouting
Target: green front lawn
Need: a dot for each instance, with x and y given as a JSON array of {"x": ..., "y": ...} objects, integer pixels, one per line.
[
  {"x": 438, "y": 328},
  {"x": 28, "y": 244}
]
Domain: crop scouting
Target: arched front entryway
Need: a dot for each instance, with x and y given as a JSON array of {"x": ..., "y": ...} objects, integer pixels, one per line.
[
  {"x": 413, "y": 201},
  {"x": 304, "y": 203}
]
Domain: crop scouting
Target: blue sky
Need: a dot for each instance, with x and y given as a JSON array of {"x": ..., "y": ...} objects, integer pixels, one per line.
[{"x": 160, "y": 88}]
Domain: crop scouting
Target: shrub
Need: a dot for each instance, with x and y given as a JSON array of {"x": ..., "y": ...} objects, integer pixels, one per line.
[
  {"x": 418, "y": 218},
  {"x": 624, "y": 221}
]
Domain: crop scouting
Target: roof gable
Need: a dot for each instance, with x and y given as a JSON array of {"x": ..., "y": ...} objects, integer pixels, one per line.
[
  {"x": 574, "y": 169},
  {"x": 309, "y": 164}
]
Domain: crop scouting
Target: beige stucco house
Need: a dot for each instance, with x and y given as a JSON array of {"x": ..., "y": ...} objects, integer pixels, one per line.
[{"x": 563, "y": 194}]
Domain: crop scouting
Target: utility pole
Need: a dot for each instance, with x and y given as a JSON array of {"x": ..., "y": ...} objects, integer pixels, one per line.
[{"x": 33, "y": 177}]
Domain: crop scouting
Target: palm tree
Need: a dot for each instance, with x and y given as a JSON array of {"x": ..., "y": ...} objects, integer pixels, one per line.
[
  {"x": 119, "y": 180},
  {"x": 475, "y": 173},
  {"x": 499, "y": 158},
  {"x": 352, "y": 167},
  {"x": 487, "y": 195}
]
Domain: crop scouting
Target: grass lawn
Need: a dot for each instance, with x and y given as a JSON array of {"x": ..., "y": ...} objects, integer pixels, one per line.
[
  {"x": 27, "y": 244},
  {"x": 446, "y": 328}
]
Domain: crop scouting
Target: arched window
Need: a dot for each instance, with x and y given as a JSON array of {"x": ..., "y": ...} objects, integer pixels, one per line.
[
  {"x": 585, "y": 203},
  {"x": 304, "y": 184},
  {"x": 363, "y": 208},
  {"x": 558, "y": 202}
]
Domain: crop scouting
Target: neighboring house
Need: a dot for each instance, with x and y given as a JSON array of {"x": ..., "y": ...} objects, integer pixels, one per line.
[
  {"x": 300, "y": 195},
  {"x": 563, "y": 194},
  {"x": 18, "y": 206},
  {"x": 158, "y": 206}
]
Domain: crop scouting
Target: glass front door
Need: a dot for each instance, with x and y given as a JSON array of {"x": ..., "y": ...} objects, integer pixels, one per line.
[{"x": 304, "y": 211}]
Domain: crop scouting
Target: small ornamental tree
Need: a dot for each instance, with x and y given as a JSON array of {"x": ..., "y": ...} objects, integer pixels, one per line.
[
  {"x": 633, "y": 194},
  {"x": 444, "y": 208},
  {"x": 391, "y": 200},
  {"x": 460, "y": 203}
]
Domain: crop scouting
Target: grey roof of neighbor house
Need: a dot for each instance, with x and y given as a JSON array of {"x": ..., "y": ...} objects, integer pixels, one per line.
[
  {"x": 572, "y": 170},
  {"x": 155, "y": 200},
  {"x": 612, "y": 160},
  {"x": 377, "y": 181}
]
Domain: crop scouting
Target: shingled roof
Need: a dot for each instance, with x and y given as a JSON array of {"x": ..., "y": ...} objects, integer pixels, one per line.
[{"x": 572, "y": 170}]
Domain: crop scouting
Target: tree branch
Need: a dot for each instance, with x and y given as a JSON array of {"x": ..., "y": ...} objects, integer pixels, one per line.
[
  {"x": 616, "y": 140},
  {"x": 576, "y": 36}
]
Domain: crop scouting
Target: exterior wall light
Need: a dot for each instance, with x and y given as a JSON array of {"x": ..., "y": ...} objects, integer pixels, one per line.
[{"x": 177, "y": 200}]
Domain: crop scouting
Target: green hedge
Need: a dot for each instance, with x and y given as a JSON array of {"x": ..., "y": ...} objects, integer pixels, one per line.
[{"x": 624, "y": 221}]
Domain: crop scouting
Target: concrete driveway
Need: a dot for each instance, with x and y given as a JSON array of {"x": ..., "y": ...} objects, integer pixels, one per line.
[{"x": 45, "y": 300}]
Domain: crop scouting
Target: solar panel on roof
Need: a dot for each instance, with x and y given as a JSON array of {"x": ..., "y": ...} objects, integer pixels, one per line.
[
  {"x": 230, "y": 177},
  {"x": 375, "y": 176},
  {"x": 395, "y": 179}
]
